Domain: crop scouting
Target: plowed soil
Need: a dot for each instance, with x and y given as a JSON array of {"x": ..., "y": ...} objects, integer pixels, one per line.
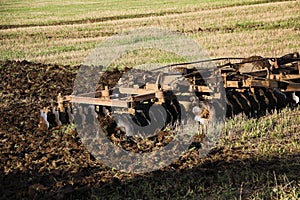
[{"x": 55, "y": 164}]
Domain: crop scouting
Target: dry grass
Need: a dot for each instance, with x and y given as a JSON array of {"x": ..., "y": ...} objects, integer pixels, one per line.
[
  {"x": 253, "y": 42},
  {"x": 255, "y": 159},
  {"x": 16, "y": 12},
  {"x": 273, "y": 135},
  {"x": 227, "y": 31}
]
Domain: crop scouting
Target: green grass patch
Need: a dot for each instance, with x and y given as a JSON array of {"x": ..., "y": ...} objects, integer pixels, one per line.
[
  {"x": 35, "y": 12},
  {"x": 147, "y": 57},
  {"x": 58, "y": 44}
]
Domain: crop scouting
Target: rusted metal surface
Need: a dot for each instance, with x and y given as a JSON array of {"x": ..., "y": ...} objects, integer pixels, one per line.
[
  {"x": 262, "y": 77},
  {"x": 94, "y": 101},
  {"x": 242, "y": 77}
]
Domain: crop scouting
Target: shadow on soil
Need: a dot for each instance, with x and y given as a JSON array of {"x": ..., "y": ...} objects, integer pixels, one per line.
[
  {"x": 238, "y": 178},
  {"x": 211, "y": 179}
]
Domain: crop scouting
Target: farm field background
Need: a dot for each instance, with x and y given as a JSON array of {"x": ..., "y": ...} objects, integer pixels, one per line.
[
  {"x": 255, "y": 158},
  {"x": 64, "y": 32}
]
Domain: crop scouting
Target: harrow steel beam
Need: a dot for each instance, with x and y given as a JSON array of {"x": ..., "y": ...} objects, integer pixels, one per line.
[{"x": 247, "y": 81}]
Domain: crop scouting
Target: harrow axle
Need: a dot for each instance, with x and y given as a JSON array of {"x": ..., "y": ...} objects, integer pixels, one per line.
[{"x": 157, "y": 100}]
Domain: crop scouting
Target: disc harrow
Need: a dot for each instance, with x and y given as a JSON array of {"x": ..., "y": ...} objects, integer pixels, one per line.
[{"x": 144, "y": 102}]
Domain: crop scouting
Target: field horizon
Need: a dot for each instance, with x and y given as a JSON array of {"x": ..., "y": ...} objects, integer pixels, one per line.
[{"x": 224, "y": 28}]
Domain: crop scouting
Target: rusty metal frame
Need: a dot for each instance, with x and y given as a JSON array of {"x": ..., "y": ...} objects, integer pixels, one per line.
[{"x": 264, "y": 78}]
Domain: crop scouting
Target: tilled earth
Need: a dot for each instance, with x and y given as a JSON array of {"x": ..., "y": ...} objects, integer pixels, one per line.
[
  {"x": 55, "y": 164},
  {"x": 37, "y": 163}
]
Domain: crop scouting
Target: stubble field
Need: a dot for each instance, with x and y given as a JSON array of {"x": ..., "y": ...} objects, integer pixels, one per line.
[{"x": 254, "y": 159}]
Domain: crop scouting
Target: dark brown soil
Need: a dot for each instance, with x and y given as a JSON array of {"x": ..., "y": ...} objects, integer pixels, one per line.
[
  {"x": 37, "y": 163},
  {"x": 54, "y": 164}
]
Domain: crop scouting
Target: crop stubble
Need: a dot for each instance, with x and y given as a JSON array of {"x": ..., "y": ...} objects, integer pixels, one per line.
[{"x": 55, "y": 164}]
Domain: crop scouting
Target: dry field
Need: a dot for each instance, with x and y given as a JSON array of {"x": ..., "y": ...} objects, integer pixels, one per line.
[
  {"x": 233, "y": 28},
  {"x": 254, "y": 159}
]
